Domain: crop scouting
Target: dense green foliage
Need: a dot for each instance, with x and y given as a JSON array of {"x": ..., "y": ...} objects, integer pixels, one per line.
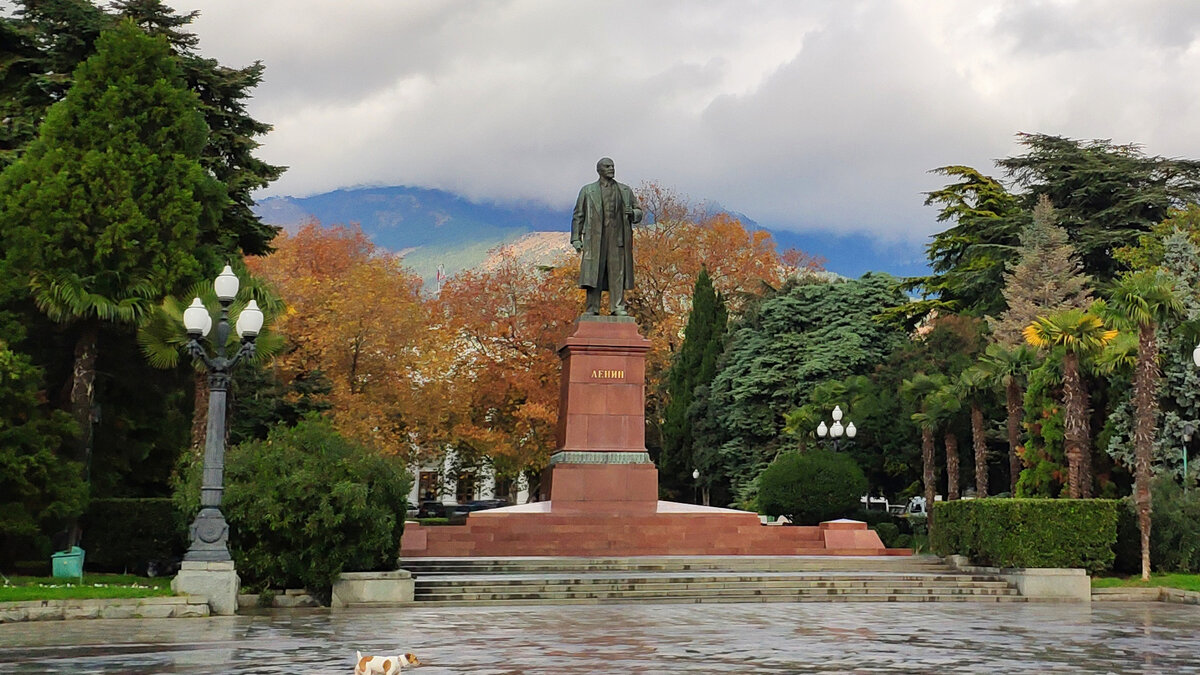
[
  {"x": 39, "y": 491},
  {"x": 969, "y": 258},
  {"x": 46, "y": 41},
  {"x": 811, "y": 487},
  {"x": 1174, "y": 538},
  {"x": 694, "y": 366},
  {"x": 127, "y": 535},
  {"x": 307, "y": 504},
  {"x": 102, "y": 214},
  {"x": 1105, "y": 195},
  {"x": 105, "y": 207},
  {"x": 1046, "y": 277},
  {"x": 1028, "y": 532},
  {"x": 129, "y": 185},
  {"x": 807, "y": 333},
  {"x": 889, "y": 534}
]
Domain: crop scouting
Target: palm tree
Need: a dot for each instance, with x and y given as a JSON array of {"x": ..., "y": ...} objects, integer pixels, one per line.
[
  {"x": 1007, "y": 367},
  {"x": 66, "y": 298},
  {"x": 916, "y": 393},
  {"x": 1142, "y": 300},
  {"x": 941, "y": 409},
  {"x": 1080, "y": 334},
  {"x": 162, "y": 337},
  {"x": 971, "y": 386}
]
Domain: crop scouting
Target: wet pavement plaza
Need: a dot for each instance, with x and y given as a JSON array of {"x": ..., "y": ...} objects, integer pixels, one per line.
[{"x": 705, "y": 638}]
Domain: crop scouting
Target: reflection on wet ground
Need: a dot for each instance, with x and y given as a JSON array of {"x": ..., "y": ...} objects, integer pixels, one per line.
[{"x": 710, "y": 638}]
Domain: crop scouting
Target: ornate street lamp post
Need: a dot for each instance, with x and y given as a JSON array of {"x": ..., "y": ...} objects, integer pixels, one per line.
[
  {"x": 695, "y": 486},
  {"x": 835, "y": 431},
  {"x": 209, "y": 531},
  {"x": 207, "y": 567}
]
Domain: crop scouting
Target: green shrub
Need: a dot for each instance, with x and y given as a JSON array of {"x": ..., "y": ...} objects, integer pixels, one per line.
[
  {"x": 122, "y": 535},
  {"x": 1174, "y": 528},
  {"x": 1127, "y": 551},
  {"x": 888, "y": 533},
  {"x": 1174, "y": 531},
  {"x": 811, "y": 487},
  {"x": 903, "y": 541},
  {"x": 307, "y": 504},
  {"x": 1028, "y": 532}
]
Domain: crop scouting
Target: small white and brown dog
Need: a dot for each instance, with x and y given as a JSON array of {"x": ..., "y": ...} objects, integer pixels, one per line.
[{"x": 383, "y": 665}]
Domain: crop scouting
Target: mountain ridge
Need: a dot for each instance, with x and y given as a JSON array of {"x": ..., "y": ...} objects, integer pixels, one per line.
[{"x": 438, "y": 228}]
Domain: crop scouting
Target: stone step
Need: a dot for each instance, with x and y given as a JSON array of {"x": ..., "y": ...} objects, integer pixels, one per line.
[
  {"x": 674, "y": 579},
  {"x": 698, "y": 599},
  {"x": 491, "y": 593},
  {"x": 561, "y": 591},
  {"x": 780, "y": 581},
  {"x": 431, "y": 566}
]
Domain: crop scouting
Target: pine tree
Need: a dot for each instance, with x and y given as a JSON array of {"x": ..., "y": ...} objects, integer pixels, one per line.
[
  {"x": 1046, "y": 278},
  {"x": 694, "y": 366},
  {"x": 102, "y": 214}
]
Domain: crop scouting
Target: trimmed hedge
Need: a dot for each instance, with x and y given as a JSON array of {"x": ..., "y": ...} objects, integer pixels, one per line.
[
  {"x": 1028, "y": 532},
  {"x": 122, "y": 535}
]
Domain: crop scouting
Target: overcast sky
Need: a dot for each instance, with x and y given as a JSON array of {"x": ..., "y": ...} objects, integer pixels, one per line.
[{"x": 802, "y": 115}]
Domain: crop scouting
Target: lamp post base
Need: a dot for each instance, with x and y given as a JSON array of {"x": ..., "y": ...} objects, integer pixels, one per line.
[
  {"x": 217, "y": 581},
  {"x": 210, "y": 537}
]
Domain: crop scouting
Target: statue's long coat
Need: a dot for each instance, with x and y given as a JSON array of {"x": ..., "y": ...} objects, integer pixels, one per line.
[{"x": 586, "y": 224}]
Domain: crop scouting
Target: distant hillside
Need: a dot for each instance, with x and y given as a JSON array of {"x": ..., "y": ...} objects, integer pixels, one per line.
[
  {"x": 433, "y": 227},
  {"x": 535, "y": 248}
]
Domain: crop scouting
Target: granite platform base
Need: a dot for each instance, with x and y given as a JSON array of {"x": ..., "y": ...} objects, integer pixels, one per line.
[{"x": 663, "y": 528}]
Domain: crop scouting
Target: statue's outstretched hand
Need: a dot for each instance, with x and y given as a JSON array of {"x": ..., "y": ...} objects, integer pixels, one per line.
[{"x": 577, "y": 244}]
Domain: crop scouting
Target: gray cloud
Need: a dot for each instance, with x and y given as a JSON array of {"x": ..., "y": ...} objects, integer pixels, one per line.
[{"x": 801, "y": 115}]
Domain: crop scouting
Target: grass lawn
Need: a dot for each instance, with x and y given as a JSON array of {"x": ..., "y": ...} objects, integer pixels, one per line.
[
  {"x": 1187, "y": 582},
  {"x": 93, "y": 586}
]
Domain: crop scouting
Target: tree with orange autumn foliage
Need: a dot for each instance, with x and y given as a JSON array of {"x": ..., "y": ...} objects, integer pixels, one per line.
[
  {"x": 356, "y": 315},
  {"x": 500, "y": 393}
]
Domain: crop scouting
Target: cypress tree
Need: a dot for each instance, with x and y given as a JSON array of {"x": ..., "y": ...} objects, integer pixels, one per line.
[{"x": 695, "y": 365}]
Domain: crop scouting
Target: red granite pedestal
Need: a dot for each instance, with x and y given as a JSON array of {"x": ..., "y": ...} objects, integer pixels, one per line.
[{"x": 603, "y": 490}]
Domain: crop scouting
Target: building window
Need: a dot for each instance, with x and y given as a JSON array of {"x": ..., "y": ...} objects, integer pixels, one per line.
[
  {"x": 465, "y": 490},
  {"x": 428, "y": 486}
]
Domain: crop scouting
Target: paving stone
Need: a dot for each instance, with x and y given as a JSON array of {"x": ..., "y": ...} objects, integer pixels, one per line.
[{"x": 744, "y": 638}]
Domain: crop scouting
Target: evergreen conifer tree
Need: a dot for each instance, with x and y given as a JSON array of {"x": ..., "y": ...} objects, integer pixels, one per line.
[
  {"x": 1046, "y": 278},
  {"x": 102, "y": 214},
  {"x": 694, "y": 366}
]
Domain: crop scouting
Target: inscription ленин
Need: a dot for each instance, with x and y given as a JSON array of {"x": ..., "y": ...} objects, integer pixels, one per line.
[{"x": 608, "y": 374}]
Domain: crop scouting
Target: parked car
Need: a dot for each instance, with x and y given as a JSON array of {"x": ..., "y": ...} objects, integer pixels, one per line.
[
  {"x": 432, "y": 510},
  {"x": 916, "y": 507},
  {"x": 476, "y": 505}
]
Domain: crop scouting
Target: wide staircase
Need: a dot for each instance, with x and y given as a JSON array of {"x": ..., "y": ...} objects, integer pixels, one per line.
[{"x": 681, "y": 579}]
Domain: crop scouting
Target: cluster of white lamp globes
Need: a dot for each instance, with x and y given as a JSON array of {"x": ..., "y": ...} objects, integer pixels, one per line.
[
  {"x": 209, "y": 531},
  {"x": 836, "y": 430},
  {"x": 199, "y": 322}
]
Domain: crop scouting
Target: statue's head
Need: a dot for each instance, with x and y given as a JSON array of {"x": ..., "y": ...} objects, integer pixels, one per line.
[{"x": 605, "y": 168}]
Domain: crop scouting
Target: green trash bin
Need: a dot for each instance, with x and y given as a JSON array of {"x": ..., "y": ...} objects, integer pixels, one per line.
[{"x": 67, "y": 564}]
